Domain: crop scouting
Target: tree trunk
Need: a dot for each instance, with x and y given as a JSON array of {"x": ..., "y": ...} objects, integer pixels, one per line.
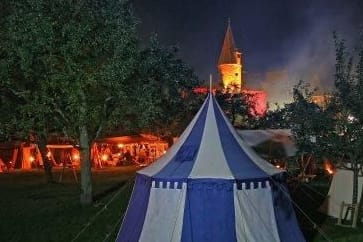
[
  {"x": 46, "y": 162},
  {"x": 86, "y": 181},
  {"x": 355, "y": 170},
  {"x": 355, "y": 182},
  {"x": 360, "y": 207}
]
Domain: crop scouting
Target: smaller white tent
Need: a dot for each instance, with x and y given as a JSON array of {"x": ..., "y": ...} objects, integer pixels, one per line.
[
  {"x": 270, "y": 137},
  {"x": 341, "y": 190}
]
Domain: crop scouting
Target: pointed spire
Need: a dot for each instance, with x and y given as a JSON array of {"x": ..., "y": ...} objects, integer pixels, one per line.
[{"x": 227, "y": 55}]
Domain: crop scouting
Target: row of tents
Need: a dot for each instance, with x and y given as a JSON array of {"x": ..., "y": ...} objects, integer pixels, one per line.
[
  {"x": 19, "y": 155},
  {"x": 25, "y": 155},
  {"x": 22, "y": 155}
]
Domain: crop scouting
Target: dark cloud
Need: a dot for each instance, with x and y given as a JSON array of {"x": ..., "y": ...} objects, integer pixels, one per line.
[{"x": 292, "y": 37}]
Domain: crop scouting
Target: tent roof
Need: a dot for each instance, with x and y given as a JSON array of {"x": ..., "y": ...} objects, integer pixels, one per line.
[{"x": 210, "y": 148}]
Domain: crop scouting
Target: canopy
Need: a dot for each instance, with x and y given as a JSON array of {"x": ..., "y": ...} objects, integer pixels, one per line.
[
  {"x": 139, "y": 138},
  {"x": 210, "y": 186},
  {"x": 341, "y": 190},
  {"x": 270, "y": 141}
]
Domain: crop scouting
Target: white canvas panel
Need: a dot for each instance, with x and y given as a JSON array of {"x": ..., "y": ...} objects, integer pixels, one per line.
[
  {"x": 261, "y": 163},
  {"x": 164, "y": 216},
  {"x": 341, "y": 190},
  {"x": 254, "y": 214},
  {"x": 211, "y": 161},
  {"x": 160, "y": 163}
]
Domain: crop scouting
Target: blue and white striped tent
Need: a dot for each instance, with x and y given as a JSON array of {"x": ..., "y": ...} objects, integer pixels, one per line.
[{"x": 208, "y": 187}]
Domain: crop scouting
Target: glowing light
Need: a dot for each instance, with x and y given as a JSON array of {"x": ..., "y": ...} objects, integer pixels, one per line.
[
  {"x": 49, "y": 154},
  {"x": 31, "y": 159},
  {"x": 329, "y": 167},
  {"x": 277, "y": 166},
  {"x": 75, "y": 157},
  {"x": 120, "y": 145},
  {"x": 329, "y": 170},
  {"x": 351, "y": 118},
  {"x": 104, "y": 157}
]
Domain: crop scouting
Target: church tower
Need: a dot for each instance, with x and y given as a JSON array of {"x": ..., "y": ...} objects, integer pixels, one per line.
[{"x": 230, "y": 63}]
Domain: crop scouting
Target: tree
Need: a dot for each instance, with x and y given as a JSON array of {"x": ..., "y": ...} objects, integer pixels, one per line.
[
  {"x": 164, "y": 91},
  {"x": 75, "y": 67},
  {"x": 349, "y": 108},
  {"x": 238, "y": 108},
  {"x": 312, "y": 126},
  {"x": 309, "y": 122},
  {"x": 71, "y": 62},
  {"x": 274, "y": 119},
  {"x": 336, "y": 131}
]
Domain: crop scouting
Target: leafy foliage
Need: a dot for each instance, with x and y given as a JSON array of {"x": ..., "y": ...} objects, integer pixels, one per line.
[
  {"x": 60, "y": 54},
  {"x": 75, "y": 67},
  {"x": 238, "y": 107},
  {"x": 164, "y": 90}
]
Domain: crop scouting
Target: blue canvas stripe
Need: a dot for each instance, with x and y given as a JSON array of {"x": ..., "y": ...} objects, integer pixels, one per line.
[
  {"x": 287, "y": 225},
  {"x": 182, "y": 163},
  {"x": 209, "y": 211},
  {"x": 135, "y": 215},
  {"x": 241, "y": 166}
]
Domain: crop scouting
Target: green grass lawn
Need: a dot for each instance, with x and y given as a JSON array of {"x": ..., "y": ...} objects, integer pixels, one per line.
[{"x": 31, "y": 210}]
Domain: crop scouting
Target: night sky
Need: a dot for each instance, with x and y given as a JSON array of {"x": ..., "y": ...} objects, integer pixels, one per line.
[{"x": 282, "y": 41}]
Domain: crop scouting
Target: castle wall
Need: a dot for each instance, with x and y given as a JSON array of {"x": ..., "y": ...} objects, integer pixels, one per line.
[{"x": 258, "y": 101}]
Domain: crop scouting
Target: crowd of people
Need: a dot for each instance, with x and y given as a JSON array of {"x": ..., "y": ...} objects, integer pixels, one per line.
[{"x": 121, "y": 155}]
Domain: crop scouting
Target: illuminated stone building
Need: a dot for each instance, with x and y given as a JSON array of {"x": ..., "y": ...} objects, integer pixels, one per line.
[
  {"x": 230, "y": 63},
  {"x": 230, "y": 67}
]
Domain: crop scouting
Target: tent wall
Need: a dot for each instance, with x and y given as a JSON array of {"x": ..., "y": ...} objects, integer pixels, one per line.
[
  {"x": 341, "y": 190},
  {"x": 183, "y": 211},
  {"x": 210, "y": 186},
  {"x": 18, "y": 155}
]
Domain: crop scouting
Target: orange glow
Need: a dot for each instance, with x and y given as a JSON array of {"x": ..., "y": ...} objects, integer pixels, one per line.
[
  {"x": 231, "y": 75},
  {"x": 330, "y": 171},
  {"x": 104, "y": 157},
  {"x": 76, "y": 157},
  {"x": 329, "y": 167},
  {"x": 49, "y": 154},
  {"x": 120, "y": 145},
  {"x": 31, "y": 159}
]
